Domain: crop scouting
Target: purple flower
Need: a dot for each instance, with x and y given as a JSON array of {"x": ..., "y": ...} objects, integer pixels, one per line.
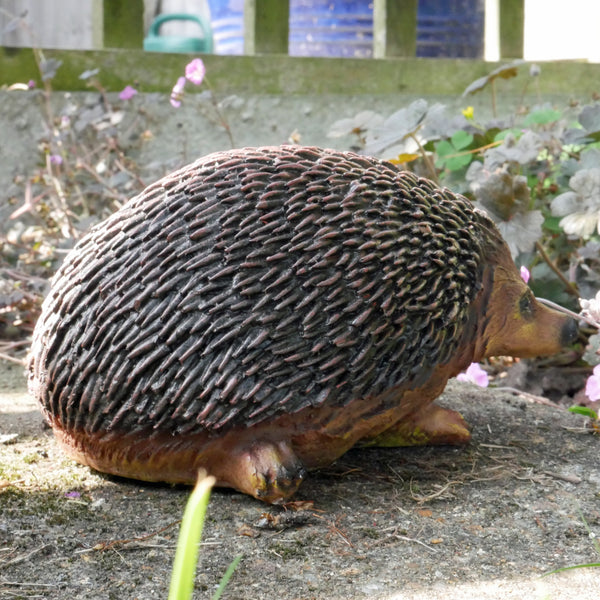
[
  {"x": 592, "y": 386},
  {"x": 177, "y": 92},
  {"x": 56, "y": 159},
  {"x": 474, "y": 374},
  {"x": 195, "y": 71},
  {"x": 31, "y": 84},
  {"x": 525, "y": 274},
  {"x": 72, "y": 495},
  {"x": 127, "y": 93}
]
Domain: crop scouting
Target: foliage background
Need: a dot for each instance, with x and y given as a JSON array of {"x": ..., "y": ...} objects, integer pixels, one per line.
[{"x": 532, "y": 164}]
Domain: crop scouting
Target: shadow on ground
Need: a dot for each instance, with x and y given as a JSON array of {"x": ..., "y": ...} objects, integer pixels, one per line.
[{"x": 485, "y": 521}]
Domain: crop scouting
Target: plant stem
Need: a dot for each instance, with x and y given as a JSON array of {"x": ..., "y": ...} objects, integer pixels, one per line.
[
  {"x": 18, "y": 361},
  {"x": 62, "y": 205},
  {"x": 426, "y": 158},
  {"x": 568, "y": 285},
  {"x": 474, "y": 150},
  {"x": 221, "y": 118}
]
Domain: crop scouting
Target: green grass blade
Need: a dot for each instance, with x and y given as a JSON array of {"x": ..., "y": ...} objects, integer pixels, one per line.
[
  {"x": 190, "y": 533},
  {"x": 225, "y": 580},
  {"x": 586, "y": 411},
  {"x": 588, "y": 566}
]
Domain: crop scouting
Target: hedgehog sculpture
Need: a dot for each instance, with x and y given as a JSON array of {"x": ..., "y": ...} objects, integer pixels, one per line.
[{"x": 260, "y": 311}]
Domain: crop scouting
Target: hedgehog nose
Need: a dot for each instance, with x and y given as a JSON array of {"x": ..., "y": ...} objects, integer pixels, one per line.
[{"x": 569, "y": 332}]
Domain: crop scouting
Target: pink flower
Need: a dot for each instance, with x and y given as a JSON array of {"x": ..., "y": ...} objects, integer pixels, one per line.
[
  {"x": 127, "y": 93},
  {"x": 525, "y": 275},
  {"x": 177, "y": 92},
  {"x": 592, "y": 386},
  {"x": 56, "y": 159},
  {"x": 474, "y": 374},
  {"x": 195, "y": 71}
]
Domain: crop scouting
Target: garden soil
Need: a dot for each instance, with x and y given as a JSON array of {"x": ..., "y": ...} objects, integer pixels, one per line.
[{"x": 485, "y": 521}]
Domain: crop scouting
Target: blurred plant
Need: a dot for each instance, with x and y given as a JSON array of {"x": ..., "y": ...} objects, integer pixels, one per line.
[
  {"x": 580, "y": 206},
  {"x": 88, "y": 146},
  {"x": 536, "y": 173},
  {"x": 195, "y": 72},
  {"x": 86, "y": 171},
  {"x": 590, "y": 407},
  {"x": 190, "y": 534},
  {"x": 398, "y": 135},
  {"x": 502, "y": 72}
]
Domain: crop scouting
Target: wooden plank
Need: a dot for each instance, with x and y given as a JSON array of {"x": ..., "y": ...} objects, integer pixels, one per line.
[
  {"x": 123, "y": 23},
  {"x": 292, "y": 75},
  {"x": 395, "y": 28},
  {"x": 66, "y": 24},
  {"x": 266, "y": 26},
  {"x": 512, "y": 22},
  {"x": 97, "y": 24}
]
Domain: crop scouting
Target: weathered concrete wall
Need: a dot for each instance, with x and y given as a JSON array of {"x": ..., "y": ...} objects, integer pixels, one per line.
[
  {"x": 181, "y": 135},
  {"x": 264, "y": 98}
]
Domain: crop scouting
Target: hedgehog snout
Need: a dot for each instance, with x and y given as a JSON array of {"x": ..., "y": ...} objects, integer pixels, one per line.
[{"x": 569, "y": 332}]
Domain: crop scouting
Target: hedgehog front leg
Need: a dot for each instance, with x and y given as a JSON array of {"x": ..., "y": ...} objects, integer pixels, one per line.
[
  {"x": 432, "y": 425},
  {"x": 267, "y": 470}
]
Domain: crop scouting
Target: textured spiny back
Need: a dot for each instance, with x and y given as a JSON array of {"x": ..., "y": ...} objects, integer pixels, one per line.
[{"x": 253, "y": 283}]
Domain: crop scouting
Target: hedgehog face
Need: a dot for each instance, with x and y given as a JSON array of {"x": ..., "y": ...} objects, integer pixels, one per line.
[{"x": 517, "y": 324}]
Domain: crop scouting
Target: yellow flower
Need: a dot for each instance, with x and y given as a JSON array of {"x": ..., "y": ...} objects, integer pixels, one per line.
[
  {"x": 468, "y": 112},
  {"x": 404, "y": 158}
]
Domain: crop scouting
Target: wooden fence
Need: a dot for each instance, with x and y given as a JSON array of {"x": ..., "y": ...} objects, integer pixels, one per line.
[{"x": 96, "y": 24}]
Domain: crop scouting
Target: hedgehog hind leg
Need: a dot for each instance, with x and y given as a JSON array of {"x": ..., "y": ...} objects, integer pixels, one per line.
[
  {"x": 431, "y": 426},
  {"x": 267, "y": 470}
]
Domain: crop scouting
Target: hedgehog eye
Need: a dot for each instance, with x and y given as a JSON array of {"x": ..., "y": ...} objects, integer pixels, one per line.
[{"x": 526, "y": 305}]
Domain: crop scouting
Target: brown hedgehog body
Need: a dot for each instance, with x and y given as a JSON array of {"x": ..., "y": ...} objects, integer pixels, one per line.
[{"x": 260, "y": 311}]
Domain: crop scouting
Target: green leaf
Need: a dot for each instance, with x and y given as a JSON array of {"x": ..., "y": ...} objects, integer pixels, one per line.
[
  {"x": 516, "y": 133},
  {"x": 542, "y": 117},
  {"x": 551, "y": 224},
  {"x": 225, "y": 579},
  {"x": 444, "y": 148},
  {"x": 454, "y": 163},
  {"x": 186, "y": 555},
  {"x": 461, "y": 139},
  {"x": 450, "y": 153},
  {"x": 586, "y": 411}
]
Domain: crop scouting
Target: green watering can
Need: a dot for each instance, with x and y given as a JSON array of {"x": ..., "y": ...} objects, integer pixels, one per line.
[{"x": 176, "y": 43}]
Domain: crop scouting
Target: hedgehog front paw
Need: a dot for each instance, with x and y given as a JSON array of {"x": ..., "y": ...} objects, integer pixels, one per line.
[
  {"x": 269, "y": 471},
  {"x": 431, "y": 426}
]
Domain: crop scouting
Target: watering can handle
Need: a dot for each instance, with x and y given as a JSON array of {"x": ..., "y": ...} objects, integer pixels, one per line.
[{"x": 157, "y": 23}]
